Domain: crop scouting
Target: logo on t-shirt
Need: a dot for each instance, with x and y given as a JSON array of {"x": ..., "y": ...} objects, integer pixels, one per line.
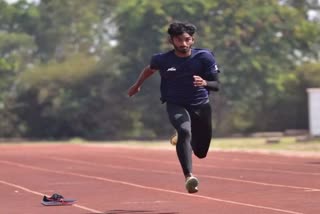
[{"x": 171, "y": 69}]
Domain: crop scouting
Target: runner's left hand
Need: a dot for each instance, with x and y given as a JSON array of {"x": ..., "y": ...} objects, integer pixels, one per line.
[{"x": 198, "y": 81}]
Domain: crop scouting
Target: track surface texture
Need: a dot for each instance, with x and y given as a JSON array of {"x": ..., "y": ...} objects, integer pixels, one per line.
[{"x": 111, "y": 179}]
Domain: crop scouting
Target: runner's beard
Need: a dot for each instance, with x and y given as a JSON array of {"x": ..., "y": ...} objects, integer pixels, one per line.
[{"x": 183, "y": 50}]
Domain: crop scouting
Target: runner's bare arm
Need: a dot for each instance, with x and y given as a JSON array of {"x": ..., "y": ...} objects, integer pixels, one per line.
[{"x": 145, "y": 74}]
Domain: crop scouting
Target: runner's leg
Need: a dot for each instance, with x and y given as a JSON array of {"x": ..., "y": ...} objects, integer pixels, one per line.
[
  {"x": 180, "y": 119},
  {"x": 201, "y": 126}
]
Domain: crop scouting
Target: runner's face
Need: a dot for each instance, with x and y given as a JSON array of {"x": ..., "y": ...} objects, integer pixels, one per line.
[{"x": 182, "y": 43}]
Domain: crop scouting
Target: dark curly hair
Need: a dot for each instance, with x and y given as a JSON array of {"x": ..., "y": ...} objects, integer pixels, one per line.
[{"x": 178, "y": 28}]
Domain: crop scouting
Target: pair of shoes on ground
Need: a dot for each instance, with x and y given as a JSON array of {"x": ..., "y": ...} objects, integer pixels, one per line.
[{"x": 192, "y": 184}]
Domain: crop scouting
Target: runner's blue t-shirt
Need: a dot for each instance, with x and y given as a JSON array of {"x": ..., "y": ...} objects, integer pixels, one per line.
[{"x": 177, "y": 75}]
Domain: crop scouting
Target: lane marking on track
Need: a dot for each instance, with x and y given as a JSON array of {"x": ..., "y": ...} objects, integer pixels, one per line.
[
  {"x": 217, "y": 167},
  {"x": 262, "y": 170},
  {"x": 146, "y": 187},
  {"x": 42, "y": 194},
  {"x": 280, "y": 154},
  {"x": 264, "y": 162},
  {"x": 174, "y": 173},
  {"x": 312, "y": 190}
]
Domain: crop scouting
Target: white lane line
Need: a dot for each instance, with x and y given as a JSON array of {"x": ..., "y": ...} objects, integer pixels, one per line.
[
  {"x": 22, "y": 188},
  {"x": 42, "y": 194},
  {"x": 174, "y": 173},
  {"x": 266, "y": 162},
  {"x": 146, "y": 187},
  {"x": 217, "y": 167},
  {"x": 281, "y": 155},
  {"x": 312, "y": 190},
  {"x": 262, "y": 170}
]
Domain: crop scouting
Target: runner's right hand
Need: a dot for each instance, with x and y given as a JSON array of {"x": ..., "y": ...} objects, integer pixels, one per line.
[{"x": 133, "y": 90}]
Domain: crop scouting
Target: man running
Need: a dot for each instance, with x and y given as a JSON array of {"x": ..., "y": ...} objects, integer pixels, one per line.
[{"x": 187, "y": 75}]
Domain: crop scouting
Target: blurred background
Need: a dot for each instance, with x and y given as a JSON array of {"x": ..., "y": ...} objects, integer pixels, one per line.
[{"x": 66, "y": 65}]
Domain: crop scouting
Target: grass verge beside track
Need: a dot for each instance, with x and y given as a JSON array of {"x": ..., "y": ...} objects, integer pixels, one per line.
[{"x": 286, "y": 145}]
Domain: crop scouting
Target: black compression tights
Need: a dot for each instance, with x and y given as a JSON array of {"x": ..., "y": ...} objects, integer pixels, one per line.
[{"x": 193, "y": 125}]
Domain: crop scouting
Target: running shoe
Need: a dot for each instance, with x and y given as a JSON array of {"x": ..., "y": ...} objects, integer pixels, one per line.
[
  {"x": 192, "y": 184},
  {"x": 56, "y": 200}
]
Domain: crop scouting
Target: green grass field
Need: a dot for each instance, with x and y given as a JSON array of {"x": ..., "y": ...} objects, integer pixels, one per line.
[{"x": 285, "y": 144}]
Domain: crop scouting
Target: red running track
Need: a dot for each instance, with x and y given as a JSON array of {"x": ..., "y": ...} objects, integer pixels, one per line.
[{"x": 110, "y": 179}]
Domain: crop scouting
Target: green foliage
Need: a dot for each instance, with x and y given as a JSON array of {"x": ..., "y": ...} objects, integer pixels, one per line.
[
  {"x": 16, "y": 48},
  {"x": 68, "y": 99},
  {"x": 257, "y": 46},
  {"x": 291, "y": 106},
  {"x": 309, "y": 75},
  {"x": 68, "y": 27},
  {"x": 60, "y": 77},
  {"x": 55, "y": 98},
  {"x": 73, "y": 70}
]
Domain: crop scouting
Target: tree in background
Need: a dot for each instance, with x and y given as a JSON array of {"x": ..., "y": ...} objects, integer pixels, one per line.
[
  {"x": 72, "y": 98},
  {"x": 65, "y": 90},
  {"x": 293, "y": 100},
  {"x": 16, "y": 50},
  {"x": 62, "y": 77},
  {"x": 258, "y": 45}
]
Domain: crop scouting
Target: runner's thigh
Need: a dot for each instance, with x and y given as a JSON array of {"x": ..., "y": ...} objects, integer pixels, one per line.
[{"x": 201, "y": 128}]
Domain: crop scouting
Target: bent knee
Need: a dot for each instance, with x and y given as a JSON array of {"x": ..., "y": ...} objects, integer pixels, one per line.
[
  {"x": 184, "y": 132},
  {"x": 201, "y": 155}
]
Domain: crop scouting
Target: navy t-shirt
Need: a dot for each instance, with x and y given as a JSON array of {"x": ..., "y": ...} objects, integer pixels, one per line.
[{"x": 177, "y": 75}]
